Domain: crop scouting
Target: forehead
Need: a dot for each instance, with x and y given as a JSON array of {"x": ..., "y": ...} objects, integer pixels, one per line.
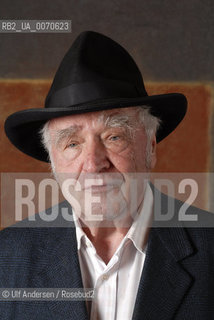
[{"x": 91, "y": 119}]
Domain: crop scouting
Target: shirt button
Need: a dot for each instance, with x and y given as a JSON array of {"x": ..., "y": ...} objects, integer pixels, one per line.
[
  {"x": 105, "y": 277},
  {"x": 88, "y": 244}
]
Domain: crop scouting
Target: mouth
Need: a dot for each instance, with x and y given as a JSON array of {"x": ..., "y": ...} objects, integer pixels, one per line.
[
  {"x": 100, "y": 183},
  {"x": 100, "y": 188}
]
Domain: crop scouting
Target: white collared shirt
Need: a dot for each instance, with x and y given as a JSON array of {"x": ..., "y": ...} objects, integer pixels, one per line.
[{"x": 116, "y": 284}]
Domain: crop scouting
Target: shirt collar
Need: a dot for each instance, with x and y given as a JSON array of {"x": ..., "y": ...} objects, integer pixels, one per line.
[
  {"x": 137, "y": 233},
  {"x": 79, "y": 232}
]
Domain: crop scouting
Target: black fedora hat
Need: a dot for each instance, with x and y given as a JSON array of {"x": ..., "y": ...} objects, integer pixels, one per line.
[{"x": 95, "y": 74}]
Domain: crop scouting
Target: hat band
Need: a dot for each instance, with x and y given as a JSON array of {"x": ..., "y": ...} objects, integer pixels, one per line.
[{"x": 83, "y": 92}]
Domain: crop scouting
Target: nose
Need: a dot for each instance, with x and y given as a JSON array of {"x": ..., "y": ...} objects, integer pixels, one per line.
[{"x": 96, "y": 157}]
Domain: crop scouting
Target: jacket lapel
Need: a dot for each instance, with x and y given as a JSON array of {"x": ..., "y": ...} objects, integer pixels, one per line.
[
  {"x": 61, "y": 270},
  {"x": 164, "y": 282}
]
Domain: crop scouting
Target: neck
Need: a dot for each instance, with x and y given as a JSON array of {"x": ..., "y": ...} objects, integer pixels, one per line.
[
  {"x": 106, "y": 236},
  {"x": 106, "y": 240}
]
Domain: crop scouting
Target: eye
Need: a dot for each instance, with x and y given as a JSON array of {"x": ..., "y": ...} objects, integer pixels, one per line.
[
  {"x": 114, "y": 138},
  {"x": 72, "y": 145}
]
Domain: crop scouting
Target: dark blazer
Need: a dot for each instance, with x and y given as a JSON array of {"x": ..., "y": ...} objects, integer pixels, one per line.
[{"x": 177, "y": 281}]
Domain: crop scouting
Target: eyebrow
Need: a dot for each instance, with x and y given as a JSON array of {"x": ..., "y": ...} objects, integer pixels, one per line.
[
  {"x": 110, "y": 121},
  {"x": 60, "y": 135},
  {"x": 118, "y": 120}
]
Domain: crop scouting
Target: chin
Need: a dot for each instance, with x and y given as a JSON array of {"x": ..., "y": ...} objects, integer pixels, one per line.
[{"x": 105, "y": 216}]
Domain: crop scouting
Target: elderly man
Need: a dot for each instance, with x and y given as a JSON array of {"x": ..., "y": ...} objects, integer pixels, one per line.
[{"x": 99, "y": 130}]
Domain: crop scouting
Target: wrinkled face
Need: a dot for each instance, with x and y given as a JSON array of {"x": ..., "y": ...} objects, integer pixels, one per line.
[{"x": 96, "y": 156}]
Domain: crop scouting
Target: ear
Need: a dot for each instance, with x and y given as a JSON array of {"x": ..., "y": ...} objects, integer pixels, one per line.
[{"x": 153, "y": 152}]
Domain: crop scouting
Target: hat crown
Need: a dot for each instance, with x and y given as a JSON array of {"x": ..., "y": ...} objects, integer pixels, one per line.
[
  {"x": 96, "y": 74},
  {"x": 95, "y": 59}
]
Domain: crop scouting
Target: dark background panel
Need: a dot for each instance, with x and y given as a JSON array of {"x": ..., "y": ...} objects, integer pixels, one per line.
[{"x": 170, "y": 40}]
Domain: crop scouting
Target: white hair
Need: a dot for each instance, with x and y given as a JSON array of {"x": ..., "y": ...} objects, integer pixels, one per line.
[
  {"x": 149, "y": 122},
  {"x": 151, "y": 125}
]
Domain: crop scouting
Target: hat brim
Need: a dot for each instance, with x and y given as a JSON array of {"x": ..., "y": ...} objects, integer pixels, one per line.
[{"x": 22, "y": 128}]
